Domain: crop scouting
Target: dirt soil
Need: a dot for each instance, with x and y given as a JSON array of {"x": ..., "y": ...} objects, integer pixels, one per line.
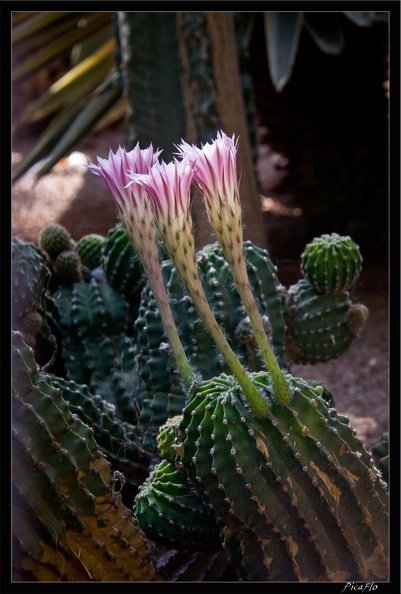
[{"x": 79, "y": 200}]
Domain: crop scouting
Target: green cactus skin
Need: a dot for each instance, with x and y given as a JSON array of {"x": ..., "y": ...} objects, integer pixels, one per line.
[
  {"x": 120, "y": 262},
  {"x": 331, "y": 263},
  {"x": 297, "y": 492},
  {"x": 30, "y": 276},
  {"x": 54, "y": 239},
  {"x": 171, "y": 513},
  {"x": 121, "y": 442},
  {"x": 159, "y": 392},
  {"x": 68, "y": 268},
  {"x": 320, "y": 327},
  {"x": 380, "y": 453},
  {"x": 32, "y": 301},
  {"x": 65, "y": 482},
  {"x": 89, "y": 249},
  {"x": 96, "y": 349}
]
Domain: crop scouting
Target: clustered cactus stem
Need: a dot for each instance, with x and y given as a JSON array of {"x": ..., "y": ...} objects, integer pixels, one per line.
[
  {"x": 136, "y": 215},
  {"x": 168, "y": 186},
  {"x": 216, "y": 174}
]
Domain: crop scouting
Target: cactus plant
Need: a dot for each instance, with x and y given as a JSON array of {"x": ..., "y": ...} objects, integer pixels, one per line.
[
  {"x": 30, "y": 278},
  {"x": 331, "y": 263},
  {"x": 320, "y": 327},
  {"x": 31, "y": 299},
  {"x": 234, "y": 471},
  {"x": 159, "y": 394},
  {"x": 54, "y": 239},
  {"x": 170, "y": 512},
  {"x": 97, "y": 350},
  {"x": 120, "y": 262},
  {"x": 67, "y": 266},
  {"x": 63, "y": 481},
  {"x": 284, "y": 485},
  {"x": 89, "y": 249},
  {"x": 121, "y": 442}
]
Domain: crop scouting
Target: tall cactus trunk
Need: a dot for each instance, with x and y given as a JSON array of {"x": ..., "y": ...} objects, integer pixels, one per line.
[
  {"x": 231, "y": 108},
  {"x": 183, "y": 85}
]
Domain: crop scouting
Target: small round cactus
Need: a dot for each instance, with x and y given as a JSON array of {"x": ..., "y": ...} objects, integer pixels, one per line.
[
  {"x": 68, "y": 267},
  {"x": 170, "y": 512},
  {"x": 54, "y": 239},
  {"x": 331, "y": 263},
  {"x": 89, "y": 249}
]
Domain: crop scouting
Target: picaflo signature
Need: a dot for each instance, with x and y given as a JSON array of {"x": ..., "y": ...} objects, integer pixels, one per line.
[{"x": 354, "y": 587}]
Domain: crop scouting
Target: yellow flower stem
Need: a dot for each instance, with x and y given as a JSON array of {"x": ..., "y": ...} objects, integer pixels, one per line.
[
  {"x": 184, "y": 368},
  {"x": 147, "y": 253},
  {"x": 230, "y": 239},
  {"x": 190, "y": 277}
]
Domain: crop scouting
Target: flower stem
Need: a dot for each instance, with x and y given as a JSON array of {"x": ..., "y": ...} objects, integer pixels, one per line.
[
  {"x": 193, "y": 284},
  {"x": 150, "y": 261},
  {"x": 232, "y": 247}
]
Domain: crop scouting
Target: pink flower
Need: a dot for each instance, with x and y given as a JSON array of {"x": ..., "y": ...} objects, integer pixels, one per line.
[
  {"x": 115, "y": 171},
  {"x": 131, "y": 199},
  {"x": 136, "y": 215},
  {"x": 216, "y": 174},
  {"x": 169, "y": 189},
  {"x": 216, "y": 165}
]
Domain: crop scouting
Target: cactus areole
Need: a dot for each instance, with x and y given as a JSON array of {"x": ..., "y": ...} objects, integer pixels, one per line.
[{"x": 291, "y": 487}]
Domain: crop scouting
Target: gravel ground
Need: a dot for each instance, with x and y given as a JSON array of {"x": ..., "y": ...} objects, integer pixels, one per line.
[{"x": 70, "y": 195}]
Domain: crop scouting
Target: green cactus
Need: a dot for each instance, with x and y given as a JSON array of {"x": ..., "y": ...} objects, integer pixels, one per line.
[
  {"x": 168, "y": 438},
  {"x": 54, "y": 239},
  {"x": 292, "y": 496},
  {"x": 159, "y": 393},
  {"x": 170, "y": 512},
  {"x": 68, "y": 267},
  {"x": 297, "y": 492},
  {"x": 64, "y": 483},
  {"x": 119, "y": 441},
  {"x": 97, "y": 349},
  {"x": 31, "y": 300},
  {"x": 30, "y": 276},
  {"x": 331, "y": 263},
  {"x": 320, "y": 327},
  {"x": 120, "y": 262},
  {"x": 89, "y": 249}
]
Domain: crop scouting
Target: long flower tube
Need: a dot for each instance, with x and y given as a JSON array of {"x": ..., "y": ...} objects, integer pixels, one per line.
[
  {"x": 136, "y": 215},
  {"x": 169, "y": 187},
  {"x": 216, "y": 174}
]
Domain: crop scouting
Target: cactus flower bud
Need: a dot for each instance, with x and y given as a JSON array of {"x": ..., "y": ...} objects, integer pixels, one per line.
[{"x": 136, "y": 215}]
